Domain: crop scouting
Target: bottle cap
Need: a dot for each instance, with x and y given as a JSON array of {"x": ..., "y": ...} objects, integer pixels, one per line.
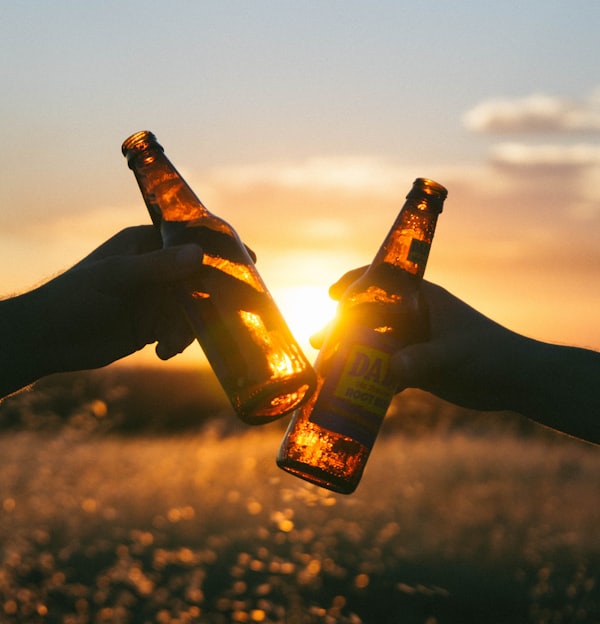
[
  {"x": 431, "y": 187},
  {"x": 428, "y": 194},
  {"x": 139, "y": 143}
]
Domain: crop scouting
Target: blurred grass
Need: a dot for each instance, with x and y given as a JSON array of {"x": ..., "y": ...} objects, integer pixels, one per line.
[
  {"x": 135, "y": 496},
  {"x": 164, "y": 400}
]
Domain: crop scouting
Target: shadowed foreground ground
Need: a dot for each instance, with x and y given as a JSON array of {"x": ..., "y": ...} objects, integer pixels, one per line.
[{"x": 448, "y": 526}]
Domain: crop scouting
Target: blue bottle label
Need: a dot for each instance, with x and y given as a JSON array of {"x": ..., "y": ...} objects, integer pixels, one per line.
[{"x": 358, "y": 388}]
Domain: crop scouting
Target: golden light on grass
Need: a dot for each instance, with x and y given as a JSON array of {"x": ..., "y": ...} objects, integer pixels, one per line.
[
  {"x": 89, "y": 505},
  {"x": 202, "y": 527},
  {"x": 361, "y": 581}
]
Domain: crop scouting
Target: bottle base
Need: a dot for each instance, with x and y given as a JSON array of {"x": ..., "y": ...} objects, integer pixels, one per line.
[
  {"x": 266, "y": 405},
  {"x": 318, "y": 477}
]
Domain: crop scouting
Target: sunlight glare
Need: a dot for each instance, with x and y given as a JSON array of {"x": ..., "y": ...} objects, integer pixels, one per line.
[{"x": 306, "y": 309}]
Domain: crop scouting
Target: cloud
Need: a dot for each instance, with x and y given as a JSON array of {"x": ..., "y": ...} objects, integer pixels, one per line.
[
  {"x": 340, "y": 173},
  {"x": 332, "y": 202},
  {"x": 548, "y": 156},
  {"x": 537, "y": 113},
  {"x": 564, "y": 175}
]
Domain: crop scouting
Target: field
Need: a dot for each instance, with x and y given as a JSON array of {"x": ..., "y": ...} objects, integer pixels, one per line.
[{"x": 134, "y": 496}]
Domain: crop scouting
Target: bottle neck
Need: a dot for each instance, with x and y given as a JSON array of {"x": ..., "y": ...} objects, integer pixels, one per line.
[
  {"x": 407, "y": 245},
  {"x": 405, "y": 249},
  {"x": 167, "y": 195}
]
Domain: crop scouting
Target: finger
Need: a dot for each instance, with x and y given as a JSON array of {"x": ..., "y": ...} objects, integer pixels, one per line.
[
  {"x": 175, "y": 332},
  {"x": 130, "y": 241},
  {"x": 158, "y": 267},
  {"x": 337, "y": 290},
  {"x": 318, "y": 338},
  {"x": 172, "y": 345},
  {"x": 136, "y": 239}
]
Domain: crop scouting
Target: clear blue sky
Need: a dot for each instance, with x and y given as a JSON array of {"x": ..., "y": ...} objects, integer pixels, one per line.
[{"x": 304, "y": 123}]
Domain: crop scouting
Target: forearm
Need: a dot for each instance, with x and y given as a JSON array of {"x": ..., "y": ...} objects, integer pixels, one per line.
[
  {"x": 23, "y": 357},
  {"x": 559, "y": 387}
]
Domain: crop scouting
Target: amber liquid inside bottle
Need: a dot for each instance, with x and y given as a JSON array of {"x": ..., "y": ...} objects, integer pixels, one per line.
[
  {"x": 242, "y": 333},
  {"x": 322, "y": 457}
]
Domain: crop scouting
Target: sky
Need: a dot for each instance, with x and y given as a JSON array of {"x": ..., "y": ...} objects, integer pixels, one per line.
[{"x": 304, "y": 124}]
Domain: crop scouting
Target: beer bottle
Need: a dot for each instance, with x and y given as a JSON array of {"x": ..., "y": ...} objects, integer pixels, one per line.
[
  {"x": 329, "y": 439},
  {"x": 244, "y": 336}
]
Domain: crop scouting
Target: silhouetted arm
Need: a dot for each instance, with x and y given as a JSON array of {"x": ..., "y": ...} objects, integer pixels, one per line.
[
  {"x": 472, "y": 361},
  {"x": 109, "y": 305}
]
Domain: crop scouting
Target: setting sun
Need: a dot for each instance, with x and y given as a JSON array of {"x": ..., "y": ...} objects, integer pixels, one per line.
[{"x": 306, "y": 309}]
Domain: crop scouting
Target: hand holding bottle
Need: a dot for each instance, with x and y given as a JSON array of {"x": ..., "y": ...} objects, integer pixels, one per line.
[
  {"x": 474, "y": 362},
  {"x": 109, "y": 305}
]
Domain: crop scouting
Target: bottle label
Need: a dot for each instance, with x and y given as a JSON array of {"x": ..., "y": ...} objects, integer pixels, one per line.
[
  {"x": 418, "y": 252},
  {"x": 357, "y": 390}
]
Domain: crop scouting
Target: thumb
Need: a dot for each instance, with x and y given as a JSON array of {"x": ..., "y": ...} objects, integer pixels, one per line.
[{"x": 161, "y": 266}]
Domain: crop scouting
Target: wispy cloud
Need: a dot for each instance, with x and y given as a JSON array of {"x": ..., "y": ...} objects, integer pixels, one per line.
[
  {"x": 322, "y": 200},
  {"x": 568, "y": 156},
  {"x": 537, "y": 113},
  {"x": 345, "y": 173}
]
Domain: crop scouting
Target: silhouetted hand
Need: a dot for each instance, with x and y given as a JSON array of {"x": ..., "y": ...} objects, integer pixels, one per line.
[
  {"x": 109, "y": 305},
  {"x": 476, "y": 363}
]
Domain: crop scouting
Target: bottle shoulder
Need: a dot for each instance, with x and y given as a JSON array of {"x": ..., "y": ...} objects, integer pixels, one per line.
[{"x": 214, "y": 235}]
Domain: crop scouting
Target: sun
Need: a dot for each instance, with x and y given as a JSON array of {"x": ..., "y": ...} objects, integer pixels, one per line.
[{"x": 307, "y": 309}]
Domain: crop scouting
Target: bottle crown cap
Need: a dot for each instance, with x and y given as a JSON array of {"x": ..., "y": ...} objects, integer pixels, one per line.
[
  {"x": 138, "y": 143},
  {"x": 434, "y": 192},
  {"x": 428, "y": 186}
]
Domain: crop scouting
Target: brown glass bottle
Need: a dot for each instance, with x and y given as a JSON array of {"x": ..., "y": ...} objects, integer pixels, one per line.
[
  {"x": 330, "y": 438},
  {"x": 244, "y": 336}
]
